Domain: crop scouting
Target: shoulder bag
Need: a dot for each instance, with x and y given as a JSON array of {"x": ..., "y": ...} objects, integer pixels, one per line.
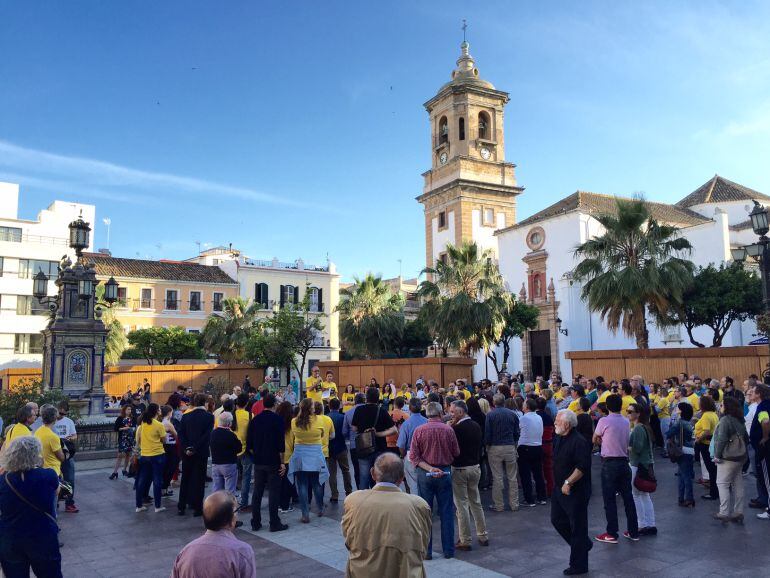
[
  {"x": 735, "y": 448},
  {"x": 366, "y": 440},
  {"x": 30, "y": 504},
  {"x": 674, "y": 446}
]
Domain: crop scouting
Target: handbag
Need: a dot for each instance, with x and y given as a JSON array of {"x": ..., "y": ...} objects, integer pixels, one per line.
[
  {"x": 674, "y": 449},
  {"x": 365, "y": 441},
  {"x": 30, "y": 504},
  {"x": 735, "y": 448}
]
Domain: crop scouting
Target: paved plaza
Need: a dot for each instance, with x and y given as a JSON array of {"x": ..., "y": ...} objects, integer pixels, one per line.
[{"x": 107, "y": 538}]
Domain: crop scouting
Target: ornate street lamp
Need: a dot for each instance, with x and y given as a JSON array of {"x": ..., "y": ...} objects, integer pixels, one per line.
[
  {"x": 758, "y": 218},
  {"x": 40, "y": 285},
  {"x": 739, "y": 254},
  {"x": 85, "y": 288},
  {"x": 79, "y": 233},
  {"x": 111, "y": 291},
  {"x": 564, "y": 332}
]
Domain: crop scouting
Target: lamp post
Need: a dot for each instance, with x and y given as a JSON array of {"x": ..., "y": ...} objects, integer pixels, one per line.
[{"x": 760, "y": 252}]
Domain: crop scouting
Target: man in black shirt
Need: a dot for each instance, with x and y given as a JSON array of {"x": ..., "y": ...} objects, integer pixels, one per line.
[
  {"x": 265, "y": 445},
  {"x": 194, "y": 437},
  {"x": 466, "y": 473},
  {"x": 569, "y": 501},
  {"x": 372, "y": 416}
]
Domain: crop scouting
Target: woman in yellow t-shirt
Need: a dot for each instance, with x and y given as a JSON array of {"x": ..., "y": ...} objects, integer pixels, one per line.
[
  {"x": 348, "y": 398},
  {"x": 150, "y": 436},
  {"x": 307, "y": 465},
  {"x": 704, "y": 429}
]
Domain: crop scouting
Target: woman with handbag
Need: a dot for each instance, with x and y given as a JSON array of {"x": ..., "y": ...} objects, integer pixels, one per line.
[
  {"x": 29, "y": 534},
  {"x": 640, "y": 460},
  {"x": 729, "y": 455}
]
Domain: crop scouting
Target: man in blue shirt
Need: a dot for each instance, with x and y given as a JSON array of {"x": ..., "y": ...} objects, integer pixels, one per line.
[
  {"x": 501, "y": 434},
  {"x": 416, "y": 419},
  {"x": 338, "y": 453},
  {"x": 349, "y": 434}
]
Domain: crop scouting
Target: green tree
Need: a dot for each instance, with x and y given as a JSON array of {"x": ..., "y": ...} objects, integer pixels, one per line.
[
  {"x": 465, "y": 301},
  {"x": 25, "y": 391},
  {"x": 635, "y": 264},
  {"x": 371, "y": 317},
  {"x": 164, "y": 345},
  {"x": 116, "y": 338},
  {"x": 227, "y": 334},
  {"x": 520, "y": 317},
  {"x": 414, "y": 341},
  {"x": 716, "y": 298}
]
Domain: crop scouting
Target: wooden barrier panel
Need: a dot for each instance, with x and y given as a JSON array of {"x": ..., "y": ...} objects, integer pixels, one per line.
[
  {"x": 360, "y": 371},
  {"x": 654, "y": 365}
]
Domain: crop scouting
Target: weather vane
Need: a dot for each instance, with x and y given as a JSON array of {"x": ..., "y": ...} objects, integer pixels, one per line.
[{"x": 465, "y": 26}]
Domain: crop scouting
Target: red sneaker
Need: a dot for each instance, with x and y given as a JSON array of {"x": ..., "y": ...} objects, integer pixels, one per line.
[
  {"x": 606, "y": 538},
  {"x": 72, "y": 509}
]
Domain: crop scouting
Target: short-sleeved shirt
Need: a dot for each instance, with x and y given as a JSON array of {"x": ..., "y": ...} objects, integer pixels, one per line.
[
  {"x": 372, "y": 415},
  {"x": 51, "y": 444},
  {"x": 328, "y": 426},
  {"x": 242, "y": 416},
  {"x": 64, "y": 427},
  {"x": 615, "y": 430},
  {"x": 17, "y": 431},
  {"x": 706, "y": 425},
  {"x": 310, "y": 388},
  {"x": 152, "y": 436}
]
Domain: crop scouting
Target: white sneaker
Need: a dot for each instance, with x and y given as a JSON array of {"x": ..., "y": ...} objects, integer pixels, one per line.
[
  {"x": 161, "y": 509},
  {"x": 142, "y": 509},
  {"x": 764, "y": 516}
]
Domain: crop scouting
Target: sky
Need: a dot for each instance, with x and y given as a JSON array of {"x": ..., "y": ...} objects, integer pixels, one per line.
[{"x": 297, "y": 129}]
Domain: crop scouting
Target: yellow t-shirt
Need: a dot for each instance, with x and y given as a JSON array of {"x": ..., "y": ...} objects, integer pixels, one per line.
[
  {"x": 17, "y": 431},
  {"x": 464, "y": 393},
  {"x": 574, "y": 405},
  {"x": 51, "y": 444},
  {"x": 310, "y": 385},
  {"x": 694, "y": 400},
  {"x": 152, "y": 436},
  {"x": 406, "y": 394},
  {"x": 242, "y": 416},
  {"x": 662, "y": 404},
  {"x": 706, "y": 424},
  {"x": 603, "y": 397},
  {"x": 349, "y": 399},
  {"x": 627, "y": 400},
  {"x": 558, "y": 395},
  {"x": 328, "y": 426},
  {"x": 314, "y": 434}
]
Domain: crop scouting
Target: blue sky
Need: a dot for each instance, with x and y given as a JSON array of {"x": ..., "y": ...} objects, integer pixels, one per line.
[{"x": 296, "y": 129}]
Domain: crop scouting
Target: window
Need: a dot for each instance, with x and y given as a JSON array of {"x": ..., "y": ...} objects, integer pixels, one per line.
[
  {"x": 29, "y": 305},
  {"x": 484, "y": 125},
  {"x": 442, "y": 257},
  {"x": 2, "y": 261},
  {"x": 122, "y": 296},
  {"x": 218, "y": 298},
  {"x": 316, "y": 299},
  {"x": 461, "y": 128},
  {"x": 172, "y": 304},
  {"x": 289, "y": 294},
  {"x": 12, "y": 234},
  {"x": 443, "y": 130},
  {"x": 195, "y": 300},
  {"x": 195, "y": 331},
  {"x": 28, "y": 343},
  {"x": 146, "y": 301},
  {"x": 28, "y": 268},
  {"x": 488, "y": 217},
  {"x": 261, "y": 295},
  {"x": 442, "y": 219}
]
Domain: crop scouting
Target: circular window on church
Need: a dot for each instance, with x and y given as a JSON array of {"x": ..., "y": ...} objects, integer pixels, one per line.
[{"x": 536, "y": 238}]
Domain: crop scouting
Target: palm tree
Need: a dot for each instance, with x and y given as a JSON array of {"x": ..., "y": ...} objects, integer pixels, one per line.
[
  {"x": 465, "y": 299},
  {"x": 635, "y": 264},
  {"x": 227, "y": 334},
  {"x": 371, "y": 317}
]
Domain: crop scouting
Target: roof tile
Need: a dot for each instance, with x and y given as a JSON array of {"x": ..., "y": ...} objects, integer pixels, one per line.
[
  {"x": 720, "y": 190},
  {"x": 166, "y": 270}
]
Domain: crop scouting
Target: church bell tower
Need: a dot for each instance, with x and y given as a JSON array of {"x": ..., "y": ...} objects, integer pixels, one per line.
[{"x": 470, "y": 190}]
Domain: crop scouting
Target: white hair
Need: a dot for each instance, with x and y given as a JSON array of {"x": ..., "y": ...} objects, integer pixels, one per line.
[
  {"x": 225, "y": 419},
  {"x": 433, "y": 409},
  {"x": 21, "y": 454},
  {"x": 568, "y": 415}
]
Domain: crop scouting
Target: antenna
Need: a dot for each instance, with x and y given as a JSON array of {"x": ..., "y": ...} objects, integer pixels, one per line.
[
  {"x": 464, "y": 27},
  {"x": 198, "y": 243}
]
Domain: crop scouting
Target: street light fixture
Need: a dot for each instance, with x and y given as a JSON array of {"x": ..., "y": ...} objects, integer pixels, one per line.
[
  {"x": 40, "y": 285},
  {"x": 758, "y": 218},
  {"x": 739, "y": 254},
  {"x": 564, "y": 332},
  {"x": 79, "y": 233},
  {"x": 111, "y": 291}
]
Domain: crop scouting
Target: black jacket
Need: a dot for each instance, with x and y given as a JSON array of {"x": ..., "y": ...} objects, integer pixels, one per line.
[
  {"x": 225, "y": 446},
  {"x": 195, "y": 431}
]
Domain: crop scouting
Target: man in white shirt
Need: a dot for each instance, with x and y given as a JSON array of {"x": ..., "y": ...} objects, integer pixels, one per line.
[
  {"x": 64, "y": 427},
  {"x": 531, "y": 454}
]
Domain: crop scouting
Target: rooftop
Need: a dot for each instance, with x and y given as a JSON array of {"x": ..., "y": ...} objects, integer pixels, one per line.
[
  {"x": 720, "y": 190},
  {"x": 165, "y": 270}
]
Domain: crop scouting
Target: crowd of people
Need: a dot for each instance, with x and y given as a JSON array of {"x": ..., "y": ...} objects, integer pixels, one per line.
[{"x": 531, "y": 443}]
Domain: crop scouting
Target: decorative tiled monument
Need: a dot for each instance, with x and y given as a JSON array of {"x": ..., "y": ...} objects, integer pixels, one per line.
[{"x": 75, "y": 338}]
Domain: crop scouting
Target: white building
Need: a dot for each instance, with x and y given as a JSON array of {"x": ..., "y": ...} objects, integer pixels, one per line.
[
  {"x": 278, "y": 284},
  {"x": 25, "y": 248},
  {"x": 536, "y": 259}
]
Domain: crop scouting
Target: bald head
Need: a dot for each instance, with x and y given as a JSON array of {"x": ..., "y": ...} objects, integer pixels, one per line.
[
  {"x": 219, "y": 511},
  {"x": 388, "y": 468}
]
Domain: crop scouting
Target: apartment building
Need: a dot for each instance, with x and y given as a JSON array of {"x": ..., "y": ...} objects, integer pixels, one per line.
[{"x": 26, "y": 247}]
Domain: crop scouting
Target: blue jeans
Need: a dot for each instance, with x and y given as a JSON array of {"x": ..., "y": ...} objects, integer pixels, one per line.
[
  {"x": 303, "y": 480},
  {"x": 225, "y": 477},
  {"x": 429, "y": 488},
  {"x": 41, "y": 555},
  {"x": 686, "y": 475},
  {"x": 68, "y": 475},
  {"x": 150, "y": 471},
  {"x": 248, "y": 466},
  {"x": 365, "y": 471},
  {"x": 616, "y": 478}
]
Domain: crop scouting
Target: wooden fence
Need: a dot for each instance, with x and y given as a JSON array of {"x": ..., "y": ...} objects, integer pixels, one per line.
[
  {"x": 163, "y": 379},
  {"x": 657, "y": 364},
  {"x": 440, "y": 369}
]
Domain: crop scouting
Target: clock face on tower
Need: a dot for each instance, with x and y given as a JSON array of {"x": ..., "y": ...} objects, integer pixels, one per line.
[
  {"x": 443, "y": 158},
  {"x": 485, "y": 153}
]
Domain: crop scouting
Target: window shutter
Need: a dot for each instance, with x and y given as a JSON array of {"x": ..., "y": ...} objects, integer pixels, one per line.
[
  {"x": 257, "y": 293},
  {"x": 283, "y": 295},
  {"x": 265, "y": 301},
  {"x": 320, "y": 300},
  {"x": 296, "y": 295}
]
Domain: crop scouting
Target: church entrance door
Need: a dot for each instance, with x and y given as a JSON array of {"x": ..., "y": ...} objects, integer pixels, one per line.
[{"x": 540, "y": 353}]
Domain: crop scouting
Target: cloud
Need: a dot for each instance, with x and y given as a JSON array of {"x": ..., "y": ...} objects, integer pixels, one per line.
[
  {"x": 756, "y": 122},
  {"x": 111, "y": 181}
]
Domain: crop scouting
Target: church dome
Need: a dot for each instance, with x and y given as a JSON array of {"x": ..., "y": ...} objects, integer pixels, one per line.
[{"x": 466, "y": 73}]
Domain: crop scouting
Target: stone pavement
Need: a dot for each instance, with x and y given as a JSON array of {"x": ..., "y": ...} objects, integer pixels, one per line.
[{"x": 107, "y": 538}]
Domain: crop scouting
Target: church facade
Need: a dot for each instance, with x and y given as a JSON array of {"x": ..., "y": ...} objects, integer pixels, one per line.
[{"x": 470, "y": 193}]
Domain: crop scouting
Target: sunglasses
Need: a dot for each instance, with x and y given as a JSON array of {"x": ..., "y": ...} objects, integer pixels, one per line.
[{"x": 630, "y": 411}]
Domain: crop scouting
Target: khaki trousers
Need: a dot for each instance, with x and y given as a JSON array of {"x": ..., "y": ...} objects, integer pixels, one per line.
[
  {"x": 507, "y": 455},
  {"x": 465, "y": 488},
  {"x": 730, "y": 477}
]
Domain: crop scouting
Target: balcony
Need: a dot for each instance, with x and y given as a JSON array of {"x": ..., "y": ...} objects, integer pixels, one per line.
[{"x": 298, "y": 265}]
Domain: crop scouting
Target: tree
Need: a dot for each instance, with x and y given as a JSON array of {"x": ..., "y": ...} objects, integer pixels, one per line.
[
  {"x": 164, "y": 345},
  {"x": 633, "y": 265},
  {"x": 465, "y": 301},
  {"x": 371, "y": 317},
  {"x": 116, "y": 342},
  {"x": 227, "y": 334},
  {"x": 519, "y": 319},
  {"x": 716, "y": 298},
  {"x": 414, "y": 341}
]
